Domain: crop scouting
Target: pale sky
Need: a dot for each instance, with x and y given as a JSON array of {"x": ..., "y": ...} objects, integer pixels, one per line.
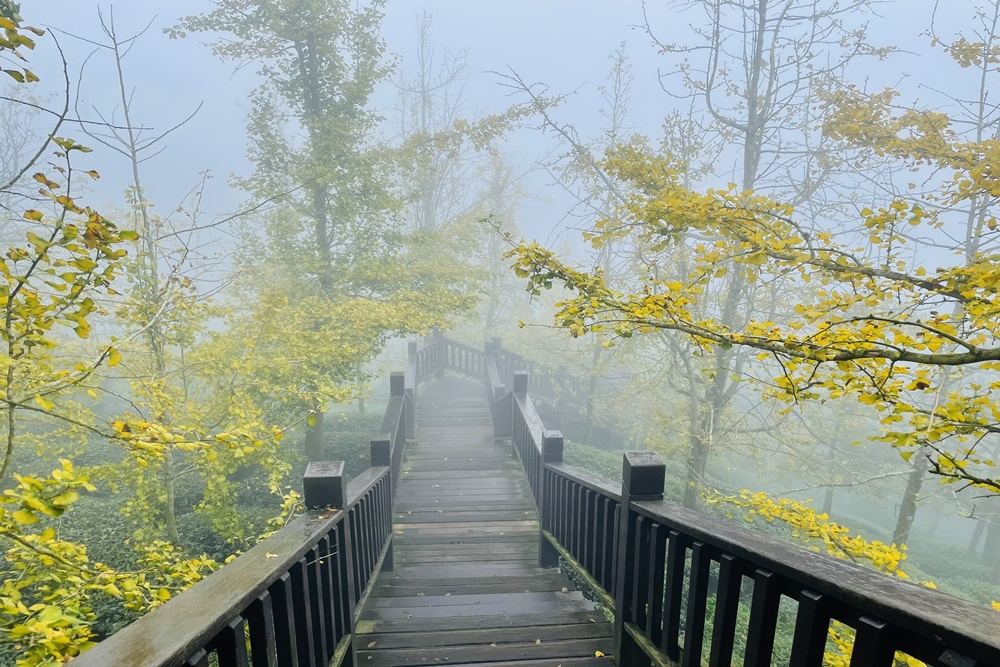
[{"x": 563, "y": 43}]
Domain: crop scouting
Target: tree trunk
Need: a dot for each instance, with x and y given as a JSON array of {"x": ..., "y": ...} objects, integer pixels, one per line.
[
  {"x": 170, "y": 510},
  {"x": 991, "y": 550},
  {"x": 361, "y": 398},
  {"x": 908, "y": 505},
  {"x": 977, "y": 536},
  {"x": 314, "y": 438},
  {"x": 697, "y": 464},
  {"x": 827, "y": 501},
  {"x": 591, "y": 390}
]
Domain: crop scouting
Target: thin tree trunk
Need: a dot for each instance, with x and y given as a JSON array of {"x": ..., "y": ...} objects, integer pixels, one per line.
[
  {"x": 697, "y": 465},
  {"x": 991, "y": 550},
  {"x": 908, "y": 505},
  {"x": 314, "y": 437},
  {"x": 591, "y": 390},
  {"x": 827, "y": 501},
  {"x": 361, "y": 398},
  {"x": 170, "y": 510},
  {"x": 977, "y": 537}
]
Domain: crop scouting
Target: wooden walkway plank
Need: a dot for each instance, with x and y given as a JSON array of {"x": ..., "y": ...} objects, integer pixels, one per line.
[{"x": 466, "y": 588}]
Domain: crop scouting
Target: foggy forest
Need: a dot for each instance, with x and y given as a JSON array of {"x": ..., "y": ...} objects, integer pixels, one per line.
[{"x": 759, "y": 236}]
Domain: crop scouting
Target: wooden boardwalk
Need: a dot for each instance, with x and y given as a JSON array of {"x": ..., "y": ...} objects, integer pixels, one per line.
[{"x": 466, "y": 588}]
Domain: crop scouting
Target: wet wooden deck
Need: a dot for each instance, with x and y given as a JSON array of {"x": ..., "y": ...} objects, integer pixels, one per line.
[{"x": 466, "y": 588}]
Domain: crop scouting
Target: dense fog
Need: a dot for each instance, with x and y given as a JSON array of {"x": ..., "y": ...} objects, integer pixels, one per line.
[{"x": 757, "y": 237}]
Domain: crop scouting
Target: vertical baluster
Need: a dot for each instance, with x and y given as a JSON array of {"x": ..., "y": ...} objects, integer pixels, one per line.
[
  {"x": 357, "y": 545},
  {"x": 812, "y": 624},
  {"x": 601, "y": 551},
  {"x": 199, "y": 659},
  {"x": 873, "y": 646},
  {"x": 231, "y": 645},
  {"x": 376, "y": 544},
  {"x": 344, "y": 574},
  {"x": 341, "y": 625},
  {"x": 727, "y": 601},
  {"x": 589, "y": 530},
  {"x": 676, "y": 555},
  {"x": 564, "y": 515},
  {"x": 260, "y": 625},
  {"x": 365, "y": 526},
  {"x": 763, "y": 618},
  {"x": 283, "y": 608},
  {"x": 325, "y": 573},
  {"x": 640, "y": 585},
  {"x": 304, "y": 628},
  {"x": 317, "y": 606},
  {"x": 694, "y": 628},
  {"x": 655, "y": 577},
  {"x": 551, "y": 502},
  {"x": 387, "y": 563},
  {"x": 613, "y": 548}
]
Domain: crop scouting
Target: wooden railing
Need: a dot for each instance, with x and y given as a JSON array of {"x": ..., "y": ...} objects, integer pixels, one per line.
[
  {"x": 291, "y": 600},
  {"x": 552, "y": 384},
  {"x": 654, "y": 563}
]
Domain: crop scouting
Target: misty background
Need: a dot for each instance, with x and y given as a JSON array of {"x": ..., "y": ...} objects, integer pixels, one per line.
[{"x": 604, "y": 78}]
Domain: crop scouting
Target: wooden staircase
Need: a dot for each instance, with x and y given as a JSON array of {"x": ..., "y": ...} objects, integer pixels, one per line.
[{"x": 466, "y": 588}]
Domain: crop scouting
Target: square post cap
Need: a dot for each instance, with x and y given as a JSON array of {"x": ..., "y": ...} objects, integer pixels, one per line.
[
  {"x": 397, "y": 380},
  {"x": 323, "y": 485},
  {"x": 381, "y": 450},
  {"x": 552, "y": 446},
  {"x": 520, "y": 382},
  {"x": 643, "y": 475}
]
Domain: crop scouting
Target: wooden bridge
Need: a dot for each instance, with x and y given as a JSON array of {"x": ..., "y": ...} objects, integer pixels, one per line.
[{"x": 453, "y": 548}]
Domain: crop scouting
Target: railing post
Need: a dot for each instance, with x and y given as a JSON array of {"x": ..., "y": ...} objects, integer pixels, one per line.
[
  {"x": 396, "y": 380},
  {"x": 381, "y": 455},
  {"x": 411, "y": 398},
  {"x": 521, "y": 382},
  {"x": 643, "y": 476},
  {"x": 441, "y": 353},
  {"x": 324, "y": 486},
  {"x": 381, "y": 450},
  {"x": 489, "y": 348},
  {"x": 552, "y": 452}
]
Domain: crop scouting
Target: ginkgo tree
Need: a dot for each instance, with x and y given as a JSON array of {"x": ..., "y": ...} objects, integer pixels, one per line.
[
  {"x": 333, "y": 243},
  {"x": 883, "y": 318},
  {"x": 54, "y": 281}
]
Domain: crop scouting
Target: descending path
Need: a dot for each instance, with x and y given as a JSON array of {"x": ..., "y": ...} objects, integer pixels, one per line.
[{"x": 466, "y": 588}]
